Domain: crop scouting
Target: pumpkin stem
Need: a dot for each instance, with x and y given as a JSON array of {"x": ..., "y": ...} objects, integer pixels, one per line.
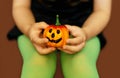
[{"x": 57, "y": 20}]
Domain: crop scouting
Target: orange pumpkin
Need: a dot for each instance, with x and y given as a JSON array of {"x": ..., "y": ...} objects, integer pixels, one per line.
[{"x": 56, "y": 34}]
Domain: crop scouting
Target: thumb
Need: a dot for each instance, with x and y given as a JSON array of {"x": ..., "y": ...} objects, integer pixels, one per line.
[
  {"x": 70, "y": 28},
  {"x": 41, "y": 25}
]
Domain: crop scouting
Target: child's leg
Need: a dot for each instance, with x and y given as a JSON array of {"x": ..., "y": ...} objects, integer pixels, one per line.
[
  {"x": 83, "y": 63},
  {"x": 34, "y": 64}
]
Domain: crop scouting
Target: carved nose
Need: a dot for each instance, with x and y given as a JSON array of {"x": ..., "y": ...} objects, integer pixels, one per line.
[{"x": 53, "y": 35}]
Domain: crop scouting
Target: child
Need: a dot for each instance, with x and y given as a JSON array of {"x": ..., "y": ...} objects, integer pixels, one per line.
[{"x": 85, "y": 19}]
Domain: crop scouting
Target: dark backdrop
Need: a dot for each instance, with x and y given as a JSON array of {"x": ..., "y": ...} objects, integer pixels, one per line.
[{"x": 11, "y": 62}]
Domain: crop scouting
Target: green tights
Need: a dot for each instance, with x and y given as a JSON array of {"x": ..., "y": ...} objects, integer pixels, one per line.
[{"x": 79, "y": 65}]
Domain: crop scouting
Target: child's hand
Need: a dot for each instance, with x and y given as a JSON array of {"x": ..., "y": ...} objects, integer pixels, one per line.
[
  {"x": 76, "y": 43},
  {"x": 35, "y": 35}
]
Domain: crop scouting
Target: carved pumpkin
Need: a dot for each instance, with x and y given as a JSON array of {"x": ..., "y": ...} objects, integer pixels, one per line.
[{"x": 56, "y": 34}]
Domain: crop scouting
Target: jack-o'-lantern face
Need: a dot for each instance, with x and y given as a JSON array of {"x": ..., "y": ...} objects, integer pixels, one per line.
[
  {"x": 57, "y": 35},
  {"x": 54, "y": 35}
]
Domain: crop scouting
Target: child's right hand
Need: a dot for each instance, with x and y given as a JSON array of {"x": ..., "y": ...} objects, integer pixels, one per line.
[{"x": 35, "y": 35}]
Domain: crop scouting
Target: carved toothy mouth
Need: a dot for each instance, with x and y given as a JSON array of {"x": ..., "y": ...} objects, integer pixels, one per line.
[{"x": 55, "y": 41}]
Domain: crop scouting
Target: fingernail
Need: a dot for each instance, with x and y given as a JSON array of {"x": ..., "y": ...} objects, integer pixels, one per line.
[
  {"x": 83, "y": 43},
  {"x": 53, "y": 48},
  {"x": 46, "y": 40},
  {"x": 67, "y": 41},
  {"x": 64, "y": 47}
]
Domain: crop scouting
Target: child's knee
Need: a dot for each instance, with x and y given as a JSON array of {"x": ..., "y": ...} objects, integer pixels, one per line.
[
  {"x": 29, "y": 52},
  {"x": 38, "y": 59},
  {"x": 39, "y": 67},
  {"x": 80, "y": 67},
  {"x": 91, "y": 49}
]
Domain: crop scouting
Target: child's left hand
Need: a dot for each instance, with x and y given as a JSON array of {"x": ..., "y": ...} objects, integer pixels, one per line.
[{"x": 77, "y": 42}]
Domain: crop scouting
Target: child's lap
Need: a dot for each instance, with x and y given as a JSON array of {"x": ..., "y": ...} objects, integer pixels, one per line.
[
  {"x": 90, "y": 52},
  {"x": 28, "y": 51}
]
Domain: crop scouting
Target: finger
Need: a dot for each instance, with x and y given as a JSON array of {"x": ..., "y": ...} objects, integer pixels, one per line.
[
  {"x": 41, "y": 25},
  {"x": 47, "y": 50},
  {"x": 66, "y": 51},
  {"x": 71, "y": 28},
  {"x": 39, "y": 41},
  {"x": 74, "y": 41},
  {"x": 74, "y": 48},
  {"x": 74, "y": 30},
  {"x": 44, "y": 50}
]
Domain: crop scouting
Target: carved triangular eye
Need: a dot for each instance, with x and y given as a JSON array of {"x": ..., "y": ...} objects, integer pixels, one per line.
[{"x": 58, "y": 31}]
